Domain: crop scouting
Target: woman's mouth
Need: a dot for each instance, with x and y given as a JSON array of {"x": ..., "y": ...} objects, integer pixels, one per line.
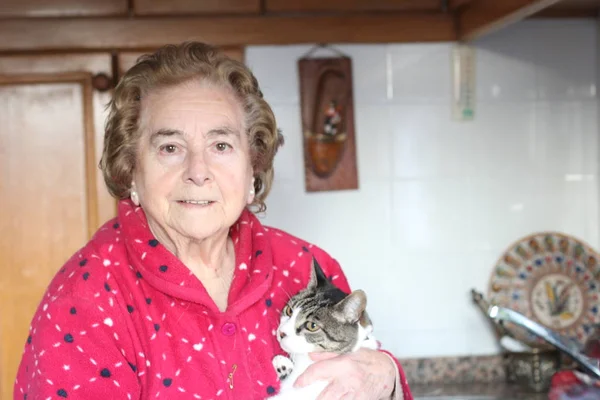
[{"x": 196, "y": 202}]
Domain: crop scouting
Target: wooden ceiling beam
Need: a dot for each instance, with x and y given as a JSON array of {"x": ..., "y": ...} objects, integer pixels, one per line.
[
  {"x": 568, "y": 13},
  {"x": 351, "y": 5},
  {"x": 23, "y": 35},
  {"x": 454, "y": 4},
  {"x": 485, "y": 16}
]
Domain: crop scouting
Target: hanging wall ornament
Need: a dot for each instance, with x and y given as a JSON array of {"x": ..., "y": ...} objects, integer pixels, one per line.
[{"x": 326, "y": 101}]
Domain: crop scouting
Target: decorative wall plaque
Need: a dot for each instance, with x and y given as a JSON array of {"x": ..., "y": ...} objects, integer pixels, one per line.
[{"x": 327, "y": 108}]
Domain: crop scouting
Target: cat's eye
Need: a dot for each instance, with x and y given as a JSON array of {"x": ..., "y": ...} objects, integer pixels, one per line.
[
  {"x": 287, "y": 311},
  {"x": 311, "y": 326}
]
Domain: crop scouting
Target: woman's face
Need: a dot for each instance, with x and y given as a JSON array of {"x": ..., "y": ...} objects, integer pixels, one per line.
[{"x": 193, "y": 173}]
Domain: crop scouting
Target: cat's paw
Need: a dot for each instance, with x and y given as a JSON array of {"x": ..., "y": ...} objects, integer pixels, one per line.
[{"x": 283, "y": 366}]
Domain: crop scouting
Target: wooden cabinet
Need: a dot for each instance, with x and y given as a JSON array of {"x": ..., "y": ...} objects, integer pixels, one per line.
[
  {"x": 190, "y": 7},
  {"x": 52, "y": 196},
  {"x": 351, "y": 5},
  {"x": 62, "y": 8}
]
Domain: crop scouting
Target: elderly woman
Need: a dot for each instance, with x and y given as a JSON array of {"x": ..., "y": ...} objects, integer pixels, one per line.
[{"x": 180, "y": 295}]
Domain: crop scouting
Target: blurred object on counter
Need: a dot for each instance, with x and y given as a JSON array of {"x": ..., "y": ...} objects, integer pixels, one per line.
[
  {"x": 544, "y": 301},
  {"x": 591, "y": 347},
  {"x": 506, "y": 339},
  {"x": 562, "y": 343},
  {"x": 553, "y": 279},
  {"x": 529, "y": 367},
  {"x": 584, "y": 379},
  {"x": 484, "y": 306},
  {"x": 567, "y": 385},
  {"x": 509, "y": 343},
  {"x": 572, "y": 384},
  {"x": 532, "y": 369}
]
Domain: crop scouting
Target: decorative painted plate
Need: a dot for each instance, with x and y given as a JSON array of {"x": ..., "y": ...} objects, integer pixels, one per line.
[{"x": 553, "y": 279}]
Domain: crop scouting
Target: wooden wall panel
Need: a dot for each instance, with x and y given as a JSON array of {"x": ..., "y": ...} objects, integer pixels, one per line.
[
  {"x": 572, "y": 9},
  {"x": 47, "y": 202},
  {"x": 52, "y": 195},
  {"x": 351, "y": 5},
  {"x": 190, "y": 7},
  {"x": 62, "y": 8},
  {"x": 60, "y": 63},
  {"x": 486, "y": 16},
  {"x": 96, "y": 34},
  {"x": 454, "y": 4},
  {"x": 43, "y": 206}
]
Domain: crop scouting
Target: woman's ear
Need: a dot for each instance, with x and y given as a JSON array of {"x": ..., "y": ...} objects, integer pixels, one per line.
[
  {"x": 251, "y": 193},
  {"x": 135, "y": 198}
]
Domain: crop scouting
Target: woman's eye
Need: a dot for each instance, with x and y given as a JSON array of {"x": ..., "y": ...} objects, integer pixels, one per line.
[
  {"x": 287, "y": 310},
  {"x": 168, "y": 148},
  {"x": 311, "y": 326},
  {"x": 223, "y": 146}
]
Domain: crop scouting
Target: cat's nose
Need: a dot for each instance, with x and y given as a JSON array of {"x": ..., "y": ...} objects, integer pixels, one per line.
[{"x": 282, "y": 335}]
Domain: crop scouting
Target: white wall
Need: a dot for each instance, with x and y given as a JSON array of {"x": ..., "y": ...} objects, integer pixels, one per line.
[{"x": 440, "y": 200}]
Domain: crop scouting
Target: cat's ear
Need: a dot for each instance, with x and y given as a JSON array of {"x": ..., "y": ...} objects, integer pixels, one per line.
[
  {"x": 351, "y": 308},
  {"x": 317, "y": 276}
]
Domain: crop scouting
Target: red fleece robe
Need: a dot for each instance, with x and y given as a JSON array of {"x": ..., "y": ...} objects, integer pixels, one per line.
[{"x": 125, "y": 319}]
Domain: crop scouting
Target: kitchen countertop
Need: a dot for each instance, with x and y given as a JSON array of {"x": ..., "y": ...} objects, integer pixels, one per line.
[{"x": 474, "y": 391}]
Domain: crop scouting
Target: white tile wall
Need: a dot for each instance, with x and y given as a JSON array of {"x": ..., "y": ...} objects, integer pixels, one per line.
[{"x": 439, "y": 200}]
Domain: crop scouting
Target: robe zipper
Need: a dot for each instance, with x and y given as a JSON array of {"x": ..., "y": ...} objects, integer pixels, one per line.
[{"x": 230, "y": 378}]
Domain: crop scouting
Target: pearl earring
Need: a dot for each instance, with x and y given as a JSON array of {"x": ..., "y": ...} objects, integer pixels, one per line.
[
  {"x": 135, "y": 198},
  {"x": 252, "y": 192}
]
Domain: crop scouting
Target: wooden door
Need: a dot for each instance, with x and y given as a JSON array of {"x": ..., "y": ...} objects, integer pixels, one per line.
[{"x": 52, "y": 198}]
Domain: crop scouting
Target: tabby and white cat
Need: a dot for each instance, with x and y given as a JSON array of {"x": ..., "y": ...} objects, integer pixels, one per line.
[{"x": 319, "y": 318}]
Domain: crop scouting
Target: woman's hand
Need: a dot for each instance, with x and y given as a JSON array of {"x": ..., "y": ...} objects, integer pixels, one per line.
[{"x": 362, "y": 375}]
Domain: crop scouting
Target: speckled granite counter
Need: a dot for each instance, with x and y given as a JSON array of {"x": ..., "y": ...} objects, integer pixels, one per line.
[
  {"x": 474, "y": 391},
  {"x": 463, "y": 378},
  {"x": 466, "y": 369}
]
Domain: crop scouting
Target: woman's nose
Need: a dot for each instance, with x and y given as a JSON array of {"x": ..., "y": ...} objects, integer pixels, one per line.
[{"x": 197, "y": 170}]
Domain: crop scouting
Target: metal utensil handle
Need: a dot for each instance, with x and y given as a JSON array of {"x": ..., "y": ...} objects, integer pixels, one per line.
[{"x": 506, "y": 314}]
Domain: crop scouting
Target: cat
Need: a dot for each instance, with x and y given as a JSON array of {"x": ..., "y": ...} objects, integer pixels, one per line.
[{"x": 319, "y": 318}]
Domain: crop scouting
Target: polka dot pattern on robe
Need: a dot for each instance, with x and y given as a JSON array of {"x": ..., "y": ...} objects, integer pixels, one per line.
[{"x": 127, "y": 320}]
